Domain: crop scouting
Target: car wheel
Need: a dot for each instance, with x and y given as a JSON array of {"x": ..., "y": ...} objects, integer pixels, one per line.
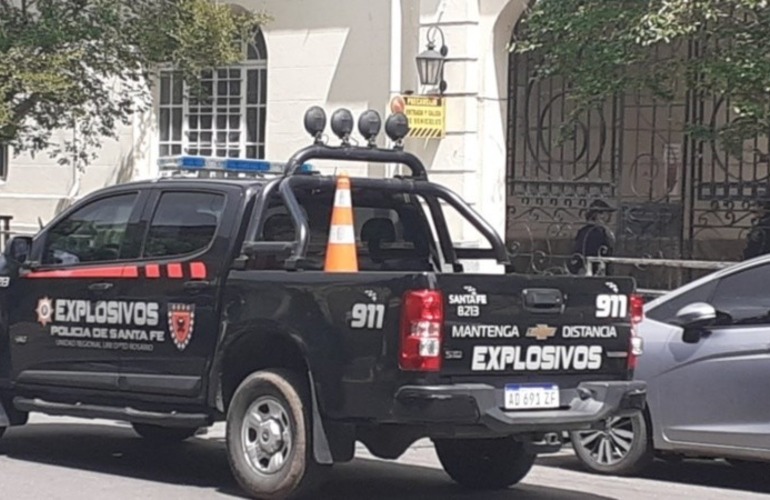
[
  {"x": 268, "y": 435},
  {"x": 484, "y": 464},
  {"x": 622, "y": 446},
  {"x": 162, "y": 434}
]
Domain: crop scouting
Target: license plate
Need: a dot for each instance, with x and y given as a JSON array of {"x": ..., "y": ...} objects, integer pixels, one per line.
[{"x": 531, "y": 396}]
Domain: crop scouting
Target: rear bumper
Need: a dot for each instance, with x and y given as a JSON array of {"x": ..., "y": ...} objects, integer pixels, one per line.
[{"x": 481, "y": 405}]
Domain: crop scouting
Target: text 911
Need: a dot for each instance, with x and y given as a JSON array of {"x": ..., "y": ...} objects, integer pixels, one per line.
[{"x": 611, "y": 306}]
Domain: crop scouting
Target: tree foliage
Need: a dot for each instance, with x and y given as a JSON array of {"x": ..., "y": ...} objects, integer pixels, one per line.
[
  {"x": 87, "y": 65},
  {"x": 659, "y": 48}
]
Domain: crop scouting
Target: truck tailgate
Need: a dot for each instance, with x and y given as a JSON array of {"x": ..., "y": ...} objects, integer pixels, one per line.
[{"x": 523, "y": 328}]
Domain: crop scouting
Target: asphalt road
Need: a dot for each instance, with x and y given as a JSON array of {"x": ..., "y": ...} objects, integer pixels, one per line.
[{"x": 56, "y": 458}]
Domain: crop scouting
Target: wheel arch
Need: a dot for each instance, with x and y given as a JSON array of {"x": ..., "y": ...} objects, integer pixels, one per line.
[
  {"x": 261, "y": 349},
  {"x": 653, "y": 432}
]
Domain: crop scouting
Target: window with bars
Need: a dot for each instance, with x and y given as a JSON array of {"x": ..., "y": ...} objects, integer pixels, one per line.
[{"x": 226, "y": 118}]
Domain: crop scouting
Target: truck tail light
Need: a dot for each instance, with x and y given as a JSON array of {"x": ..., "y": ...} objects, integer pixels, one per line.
[
  {"x": 422, "y": 331},
  {"x": 635, "y": 344}
]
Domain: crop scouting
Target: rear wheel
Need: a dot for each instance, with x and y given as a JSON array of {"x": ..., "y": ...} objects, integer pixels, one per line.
[
  {"x": 268, "y": 435},
  {"x": 484, "y": 464},
  {"x": 621, "y": 446},
  {"x": 162, "y": 434}
]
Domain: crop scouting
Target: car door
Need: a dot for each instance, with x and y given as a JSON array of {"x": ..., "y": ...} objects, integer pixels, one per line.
[
  {"x": 714, "y": 393},
  {"x": 62, "y": 307},
  {"x": 186, "y": 250}
]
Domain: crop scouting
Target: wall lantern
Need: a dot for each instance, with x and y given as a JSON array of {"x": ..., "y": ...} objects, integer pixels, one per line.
[{"x": 430, "y": 63}]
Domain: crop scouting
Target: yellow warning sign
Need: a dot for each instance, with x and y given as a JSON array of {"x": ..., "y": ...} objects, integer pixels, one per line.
[{"x": 427, "y": 116}]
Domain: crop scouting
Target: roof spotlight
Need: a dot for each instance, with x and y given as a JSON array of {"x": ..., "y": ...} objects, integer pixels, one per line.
[
  {"x": 342, "y": 124},
  {"x": 369, "y": 125},
  {"x": 397, "y": 126},
  {"x": 315, "y": 122}
]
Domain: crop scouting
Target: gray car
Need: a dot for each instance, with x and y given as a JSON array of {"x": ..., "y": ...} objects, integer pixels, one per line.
[{"x": 706, "y": 362}]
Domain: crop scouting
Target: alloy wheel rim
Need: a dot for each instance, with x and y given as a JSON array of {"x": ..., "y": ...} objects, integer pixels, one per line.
[
  {"x": 612, "y": 443},
  {"x": 266, "y": 435}
]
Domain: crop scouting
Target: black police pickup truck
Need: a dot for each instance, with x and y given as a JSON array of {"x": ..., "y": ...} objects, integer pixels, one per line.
[{"x": 179, "y": 302}]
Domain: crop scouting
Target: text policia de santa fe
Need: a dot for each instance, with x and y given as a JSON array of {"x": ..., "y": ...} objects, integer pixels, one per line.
[{"x": 536, "y": 357}]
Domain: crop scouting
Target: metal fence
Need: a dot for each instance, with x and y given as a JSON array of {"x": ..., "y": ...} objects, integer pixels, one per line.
[{"x": 672, "y": 273}]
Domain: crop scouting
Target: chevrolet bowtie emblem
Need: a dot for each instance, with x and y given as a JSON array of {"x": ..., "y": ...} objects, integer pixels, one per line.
[{"x": 541, "y": 332}]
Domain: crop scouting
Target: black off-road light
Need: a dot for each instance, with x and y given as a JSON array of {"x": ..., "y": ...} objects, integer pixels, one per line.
[
  {"x": 397, "y": 126},
  {"x": 369, "y": 125},
  {"x": 342, "y": 124},
  {"x": 315, "y": 122}
]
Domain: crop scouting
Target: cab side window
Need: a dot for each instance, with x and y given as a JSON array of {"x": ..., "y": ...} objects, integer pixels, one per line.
[
  {"x": 183, "y": 223},
  {"x": 745, "y": 296},
  {"x": 666, "y": 312},
  {"x": 97, "y": 232}
]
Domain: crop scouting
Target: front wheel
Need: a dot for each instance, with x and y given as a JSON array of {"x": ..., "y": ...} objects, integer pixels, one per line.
[
  {"x": 484, "y": 464},
  {"x": 620, "y": 446},
  {"x": 268, "y": 435},
  {"x": 161, "y": 434}
]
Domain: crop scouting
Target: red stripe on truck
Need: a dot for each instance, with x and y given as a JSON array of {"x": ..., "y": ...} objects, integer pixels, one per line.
[
  {"x": 152, "y": 271},
  {"x": 175, "y": 270},
  {"x": 114, "y": 272},
  {"x": 198, "y": 270}
]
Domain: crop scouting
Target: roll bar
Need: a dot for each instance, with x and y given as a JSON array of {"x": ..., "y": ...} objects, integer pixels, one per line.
[
  {"x": 295, "y": 176},
  {"x": 355, "y": 153}
]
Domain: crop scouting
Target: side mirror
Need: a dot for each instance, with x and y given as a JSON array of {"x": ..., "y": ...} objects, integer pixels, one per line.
[
  {"x": 693, "y": 318},
  {"x": 18, "y": 249}
]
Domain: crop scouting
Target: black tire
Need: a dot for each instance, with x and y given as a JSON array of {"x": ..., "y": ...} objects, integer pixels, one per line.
[
  {"x": 278, "y": 399},
  {"x": 616, "y": 460},
  {"x": 159, "y": 434},
  {"x": 484, "y": 464}
]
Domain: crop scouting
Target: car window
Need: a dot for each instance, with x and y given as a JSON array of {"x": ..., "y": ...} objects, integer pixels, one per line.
[
  {"x": 666, "y": 311},
  {"x": 745, "y": 296},
  {"x": 183, "y": 223},
  {"x": 391, "y": 232},
  {"x": 97, "y": 232}
]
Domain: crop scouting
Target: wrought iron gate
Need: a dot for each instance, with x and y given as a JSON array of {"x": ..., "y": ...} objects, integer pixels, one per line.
[{"x": 627, "y": 180}]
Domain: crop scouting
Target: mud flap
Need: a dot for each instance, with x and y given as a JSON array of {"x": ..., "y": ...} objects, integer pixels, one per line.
[{"x": 321, "y": 450}]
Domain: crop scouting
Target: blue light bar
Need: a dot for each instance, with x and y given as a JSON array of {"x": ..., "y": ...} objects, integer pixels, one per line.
[{"x": 226, "y": 165}]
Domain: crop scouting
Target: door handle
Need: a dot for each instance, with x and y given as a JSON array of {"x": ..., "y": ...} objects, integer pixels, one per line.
[
  {"x": 197, "y": 285},
  {"x": 100, "y": 287},
  {"x": 543, "y": 300}
]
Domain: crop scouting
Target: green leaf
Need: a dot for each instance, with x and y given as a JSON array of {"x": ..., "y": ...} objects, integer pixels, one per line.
[
  {"x": 658, "y": 47},
  {"x": 88, "y": 65}
]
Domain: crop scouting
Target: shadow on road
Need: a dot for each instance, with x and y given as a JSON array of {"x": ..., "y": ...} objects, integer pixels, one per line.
[
  {"x": 202, "y": 463},
  {"x": 708, "y": 473}
]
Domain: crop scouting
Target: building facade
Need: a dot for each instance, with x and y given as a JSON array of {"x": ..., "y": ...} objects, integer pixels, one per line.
[
  {"x": 313, "y": 52},
  {"x": 627, "y": 168}
]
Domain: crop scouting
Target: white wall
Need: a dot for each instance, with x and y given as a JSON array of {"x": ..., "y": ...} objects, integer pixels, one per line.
[
  {"x": 472, "y": 158},
  {"x": 37, "y": 185},
  {"x": 321, "y": 53}
]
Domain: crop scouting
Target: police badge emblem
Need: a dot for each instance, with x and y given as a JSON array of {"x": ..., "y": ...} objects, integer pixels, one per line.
[
  {"x": 181, "y": 321},
  {"x": 44, "y": 311}
]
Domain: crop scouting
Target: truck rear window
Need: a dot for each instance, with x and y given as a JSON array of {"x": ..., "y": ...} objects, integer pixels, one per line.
[{"x": 391, "y": 231}]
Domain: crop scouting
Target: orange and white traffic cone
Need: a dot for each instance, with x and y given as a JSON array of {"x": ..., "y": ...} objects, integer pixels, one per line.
[{"x": 341, "y": 253}]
